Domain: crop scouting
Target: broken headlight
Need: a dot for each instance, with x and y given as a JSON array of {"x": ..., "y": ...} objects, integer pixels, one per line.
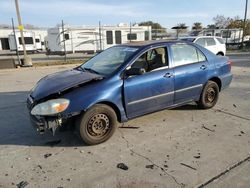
[{"x": 51, "y": 107}]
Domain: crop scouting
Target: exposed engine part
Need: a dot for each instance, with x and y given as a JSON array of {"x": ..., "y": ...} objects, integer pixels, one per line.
[{"x": 53, "y": 124}]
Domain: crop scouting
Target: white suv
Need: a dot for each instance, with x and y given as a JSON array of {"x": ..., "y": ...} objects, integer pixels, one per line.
[{"x": 214, "y": 44}]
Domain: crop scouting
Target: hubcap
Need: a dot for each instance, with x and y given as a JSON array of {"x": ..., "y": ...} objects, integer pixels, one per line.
[
  {"x": 210, "y": 95},
  {"x": 98, "y": 125}
]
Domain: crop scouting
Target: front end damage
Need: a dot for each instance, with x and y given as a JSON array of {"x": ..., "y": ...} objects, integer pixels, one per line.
[
  {"x": 46, "y": 103},
  {"x": 44, "y": 123},
  {"x": 41, "y": 124}
]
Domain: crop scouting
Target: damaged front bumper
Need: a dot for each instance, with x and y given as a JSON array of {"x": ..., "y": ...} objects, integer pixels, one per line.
[{"x": 41, "y": 124}]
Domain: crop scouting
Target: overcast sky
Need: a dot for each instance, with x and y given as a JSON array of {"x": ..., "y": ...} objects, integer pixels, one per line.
[{"x": 48, "y": 13}]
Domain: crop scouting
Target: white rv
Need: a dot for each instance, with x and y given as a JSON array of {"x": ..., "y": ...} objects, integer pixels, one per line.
[
  {"x": 38, "y": 42},
  {"x": 92, "y": 39},
  {"x": 34, "y": 39},
  {"x": 16, "y": 42}
]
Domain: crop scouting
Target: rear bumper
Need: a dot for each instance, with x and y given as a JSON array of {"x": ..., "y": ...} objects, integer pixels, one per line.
[{"x": 226, "y": 80}]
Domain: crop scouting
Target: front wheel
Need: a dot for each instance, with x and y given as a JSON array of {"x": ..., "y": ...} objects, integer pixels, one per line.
[
  {"x": 209, "y": 95},
  {"x": 97, "y": 124}
]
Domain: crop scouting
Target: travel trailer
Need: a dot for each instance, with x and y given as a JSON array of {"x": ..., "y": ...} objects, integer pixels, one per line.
[
  {"x": 93, "y": 39},
  {"x": 16, "y": 42},
  {"x": 34, "y": 39}
]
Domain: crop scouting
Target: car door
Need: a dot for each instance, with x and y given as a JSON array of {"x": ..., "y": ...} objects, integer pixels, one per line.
[
  {"x": 190, "y": 72},
  {"x": 151, "y": 91}
]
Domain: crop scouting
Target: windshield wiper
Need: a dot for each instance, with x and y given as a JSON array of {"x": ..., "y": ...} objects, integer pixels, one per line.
[
  {"x": 90, "y": 70},
  {"x": 80, "y": 68}
]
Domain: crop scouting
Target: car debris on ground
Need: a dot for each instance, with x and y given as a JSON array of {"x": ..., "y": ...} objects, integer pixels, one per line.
[
  {"x": 204, "y": 127},
  {"x": 122, "y": 166},
  {"x": 47, "y": 155},
  {"x": 188, "y": 166},
  {"x": 150, "y": 166},
  {"x": 22, "y": 184}
]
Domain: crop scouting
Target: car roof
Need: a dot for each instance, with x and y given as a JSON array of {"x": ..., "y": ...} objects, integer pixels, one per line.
[{"x": 149, "y": 43}]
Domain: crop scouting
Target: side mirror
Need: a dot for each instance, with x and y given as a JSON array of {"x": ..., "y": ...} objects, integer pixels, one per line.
[{"x": 135, "y": 71}]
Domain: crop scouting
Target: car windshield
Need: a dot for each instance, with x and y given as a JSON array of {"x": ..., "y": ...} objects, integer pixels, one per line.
[{"x": 109, "y": 60}]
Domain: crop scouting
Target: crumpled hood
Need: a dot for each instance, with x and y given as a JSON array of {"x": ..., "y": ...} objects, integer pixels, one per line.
[{"x": 61, "y": 81}]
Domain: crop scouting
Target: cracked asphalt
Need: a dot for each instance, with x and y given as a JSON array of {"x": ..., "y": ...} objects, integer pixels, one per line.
[{"x": 182, "y": 147}]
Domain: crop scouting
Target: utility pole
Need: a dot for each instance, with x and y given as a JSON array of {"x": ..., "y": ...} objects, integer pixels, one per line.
[
  {"x": 26, "y": 59},
  {"x": 244, "y": 25},
  {"x": 14, "y": 33},
  {"x": 100, "y": 35},
  {"x": 130, "y": 31},
  {"x": 64, "y": 45}
]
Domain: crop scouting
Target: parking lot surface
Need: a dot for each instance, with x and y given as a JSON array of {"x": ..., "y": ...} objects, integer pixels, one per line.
[{"x": 182, "y": 147}]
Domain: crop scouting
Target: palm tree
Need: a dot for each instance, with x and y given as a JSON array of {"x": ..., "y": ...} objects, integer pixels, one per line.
[
  {"x": 180, "y": 28},
  {"x": 197, "y": 26}
]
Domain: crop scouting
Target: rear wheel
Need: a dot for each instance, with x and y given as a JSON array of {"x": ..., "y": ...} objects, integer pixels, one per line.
[
  {"x": 209, "y": 96},
  {"x": 97, "y": 124}
]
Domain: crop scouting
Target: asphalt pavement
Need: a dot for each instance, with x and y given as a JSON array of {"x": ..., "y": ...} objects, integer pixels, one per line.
[{"x": 182, "y": 147}]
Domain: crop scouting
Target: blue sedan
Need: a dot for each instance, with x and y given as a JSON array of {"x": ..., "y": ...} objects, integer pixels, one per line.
[{"x": 127, "y": 81}]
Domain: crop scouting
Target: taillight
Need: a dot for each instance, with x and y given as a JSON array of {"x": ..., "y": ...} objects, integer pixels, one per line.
[{"x": 230, "y": 64}]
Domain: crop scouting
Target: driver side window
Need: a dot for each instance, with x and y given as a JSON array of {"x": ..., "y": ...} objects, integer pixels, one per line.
[{"x": 152, "y": 59}]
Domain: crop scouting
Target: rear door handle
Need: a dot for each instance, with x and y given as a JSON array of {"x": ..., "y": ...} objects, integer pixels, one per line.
[
  {"x": 168, "y": 75},
  {"x": 203, "y": 67}
]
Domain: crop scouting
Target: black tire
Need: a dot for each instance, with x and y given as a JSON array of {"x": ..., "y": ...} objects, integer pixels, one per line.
[
  {"x": 97, "y": 124},
  {"x": 209, "y": 95}
]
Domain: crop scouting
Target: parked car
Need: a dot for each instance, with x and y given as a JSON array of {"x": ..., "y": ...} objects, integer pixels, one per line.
[
  {"x": 212, "y": 43},
  {"x": 128, "y": 81}
]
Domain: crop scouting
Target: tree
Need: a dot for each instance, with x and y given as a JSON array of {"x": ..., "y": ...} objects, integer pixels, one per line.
[
  {"x": 180, "y": 28},
  {"x": 155, "y": 26},
  {"x": 197, "y": 26},
  {"x": 237, "y": 23},
  {"x": 247, "y": 27},
  {"x": 212, "y": 26},
  {"x": 221, "y": 21}
]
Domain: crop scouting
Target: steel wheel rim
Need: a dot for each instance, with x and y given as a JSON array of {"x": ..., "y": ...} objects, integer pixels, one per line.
[
  {"x": 98, "y": 126},
  {"x": 210, "y": 95}
]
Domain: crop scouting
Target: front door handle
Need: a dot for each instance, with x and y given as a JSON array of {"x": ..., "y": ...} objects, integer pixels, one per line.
[
  {"x": 203, "y": 67},
  {"x": 168, "y": 75}
]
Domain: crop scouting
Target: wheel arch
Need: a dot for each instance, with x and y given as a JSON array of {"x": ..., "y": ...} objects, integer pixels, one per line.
[
  {"x": 114, "y": 107},
  {"x": 220, "y": 53},
  {"x": 217, "y": 81}
]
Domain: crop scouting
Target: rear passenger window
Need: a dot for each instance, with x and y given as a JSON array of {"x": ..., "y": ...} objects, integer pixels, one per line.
[
  {"x": 184, "y": 54},
  {"x": 200, "y": 55},
  {"x": 221, "y": 40},
  {"x": 210, "y": 41},
  {"x": 201, "y": 42}
]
